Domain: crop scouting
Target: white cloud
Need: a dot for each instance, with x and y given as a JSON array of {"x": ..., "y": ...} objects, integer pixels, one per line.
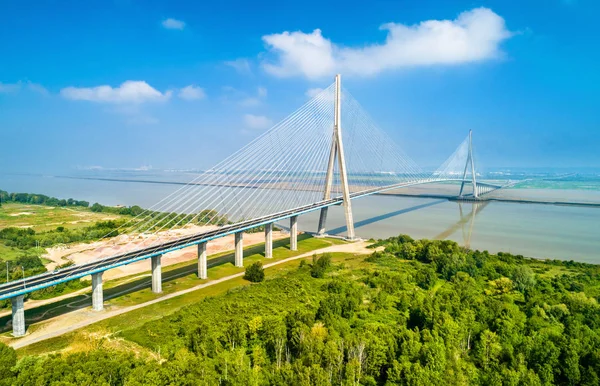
[
  {"x": 241, "y": 65},
  {"x": 191, "y": 92},
  {"x": 14, "y": 87},
  {"x": 473, "y": 36},
  {"x": 313, "y": 92},
  {"x": 258, "y": 122},
  {"x": 261, "y": 92},
  {"x": 173, "y": 24},
  {"x": 131, "y": 91}
]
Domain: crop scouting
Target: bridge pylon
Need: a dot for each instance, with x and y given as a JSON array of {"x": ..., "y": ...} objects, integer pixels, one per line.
[
  {"x": 337, "y": 151},
  {"x": 470, "y": 164}
]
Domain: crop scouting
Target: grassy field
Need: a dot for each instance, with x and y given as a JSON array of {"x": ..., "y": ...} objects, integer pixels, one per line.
[{"x": 43, "y": 218}]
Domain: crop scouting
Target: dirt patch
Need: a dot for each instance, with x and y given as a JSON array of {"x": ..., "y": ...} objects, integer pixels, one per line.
[
  {"x": 21, "y": 214},
  {"x": 85, "y": 253}
]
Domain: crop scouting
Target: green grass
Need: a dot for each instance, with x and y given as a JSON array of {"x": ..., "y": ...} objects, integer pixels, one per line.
[
  {"x": 43, "y": 218},
  {"x": 10, "y": 253}
]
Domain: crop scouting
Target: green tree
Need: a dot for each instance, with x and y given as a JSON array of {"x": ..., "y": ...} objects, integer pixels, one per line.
[
  {"x": 255, "y": 273},
  {"x": 523, "y": 278},
  {"x": 320, "y": 265},
  {"x": 97, "y": 207},
  {"x": 8, "y": 359}
]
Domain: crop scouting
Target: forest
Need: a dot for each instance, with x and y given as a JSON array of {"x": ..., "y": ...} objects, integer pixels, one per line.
[{"x": 414, "y": 312}]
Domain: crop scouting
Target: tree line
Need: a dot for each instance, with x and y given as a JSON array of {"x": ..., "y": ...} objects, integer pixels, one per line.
[{"x": 39, "y": 199}]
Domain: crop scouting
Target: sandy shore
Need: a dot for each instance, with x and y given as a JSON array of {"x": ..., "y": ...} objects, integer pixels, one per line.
[{"x": 84, "y": 253}]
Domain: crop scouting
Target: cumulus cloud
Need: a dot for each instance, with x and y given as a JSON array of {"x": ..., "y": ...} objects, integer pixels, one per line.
[
  {"x": 313, "y": 92},
  {"x": 131, "y": 91},
  {"x": 241, "y": 65},
  {"x": 258, "y": 122},
  {"x": 173, "y": 24},
  {"x": 473, "y": 36},
  {"x": 191, "y": 92}
]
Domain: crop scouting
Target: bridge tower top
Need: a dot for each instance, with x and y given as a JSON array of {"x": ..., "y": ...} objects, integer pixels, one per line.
[
  {"x": 470, "y": 164},
  {"x": 337, "y": 151}
]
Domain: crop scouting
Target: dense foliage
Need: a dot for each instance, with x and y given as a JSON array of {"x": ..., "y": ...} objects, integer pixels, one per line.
[
  {"x": 416, "y": 313},
  {"x": 26, "y": 238}
]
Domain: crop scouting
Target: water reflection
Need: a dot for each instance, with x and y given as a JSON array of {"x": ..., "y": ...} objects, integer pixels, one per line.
[
  {"x": 384, "y": 216},
  {"x": 466, "y": 222}
]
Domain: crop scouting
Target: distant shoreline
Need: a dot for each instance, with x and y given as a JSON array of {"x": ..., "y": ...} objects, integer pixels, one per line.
[{"x": 432, "y": 196}]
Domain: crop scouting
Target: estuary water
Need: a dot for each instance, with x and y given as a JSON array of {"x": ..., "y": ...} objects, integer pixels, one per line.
[{"x": 535, "y": 230}]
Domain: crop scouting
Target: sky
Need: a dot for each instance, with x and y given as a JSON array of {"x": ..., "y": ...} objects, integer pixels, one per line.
[{"x": 183, "y": 84}]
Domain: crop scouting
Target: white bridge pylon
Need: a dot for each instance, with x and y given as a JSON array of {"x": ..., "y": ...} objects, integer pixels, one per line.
[{"x": 337, "y": 152}]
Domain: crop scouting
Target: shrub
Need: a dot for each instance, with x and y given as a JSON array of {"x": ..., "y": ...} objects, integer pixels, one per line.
[
  {"x": 255, "y": 273},
  {"x": 320, "y": 265}
]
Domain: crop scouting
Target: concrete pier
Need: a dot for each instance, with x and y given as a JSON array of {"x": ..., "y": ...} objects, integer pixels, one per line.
[
  {"x": 97, "y": 294},
  {"x": 156, "y": 274},
  {"x": 269, "y": 240},
  {"x": 202, "y": 263},
  {"x": 294, "y": 233},
  {"x": 18, "y": 315},
  {"x": 239, "y": 249},
  {"x": 322, "y": 221}
]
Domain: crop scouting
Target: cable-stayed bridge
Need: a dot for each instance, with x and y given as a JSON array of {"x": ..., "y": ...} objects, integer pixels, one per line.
[{"x": 327, "y": 153}]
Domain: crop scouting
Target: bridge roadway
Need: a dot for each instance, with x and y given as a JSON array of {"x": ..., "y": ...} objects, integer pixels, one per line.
[{"x": 48, "y": 279}]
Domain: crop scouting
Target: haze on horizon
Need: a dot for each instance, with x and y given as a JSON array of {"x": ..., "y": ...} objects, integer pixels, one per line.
[{"x": 181, "y": 86}]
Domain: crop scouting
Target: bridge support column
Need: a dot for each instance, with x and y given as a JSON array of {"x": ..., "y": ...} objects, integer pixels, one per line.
[
  {"x": 269, "y": 240},
  {"x": 202, "y": 263},
  {"x": 239, "y": 249},
  {"x": 18, "y": 315},
  {"x": 97, "y": 294},
  {"x": 294, "y": 233},
  {"x": 156, "y": 274},
  {"x": 322, "y": 221}
]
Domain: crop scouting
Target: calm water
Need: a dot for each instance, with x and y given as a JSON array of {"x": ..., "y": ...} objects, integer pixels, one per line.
[{"x": 549, "y": 231}]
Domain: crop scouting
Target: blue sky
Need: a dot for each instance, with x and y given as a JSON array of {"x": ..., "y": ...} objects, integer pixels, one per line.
[{"x": 121, "y": 84}]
